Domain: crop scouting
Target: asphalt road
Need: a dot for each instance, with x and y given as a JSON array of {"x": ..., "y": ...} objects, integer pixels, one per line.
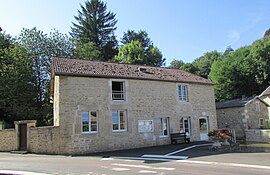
[{"x": 94, "y": 165}]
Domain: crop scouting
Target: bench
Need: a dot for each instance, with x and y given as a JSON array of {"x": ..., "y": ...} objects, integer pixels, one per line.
[{"x": 175, "y": 137}]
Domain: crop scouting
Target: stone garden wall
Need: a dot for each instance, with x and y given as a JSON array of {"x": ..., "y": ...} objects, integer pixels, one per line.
[{"x": 258, "y": 135}]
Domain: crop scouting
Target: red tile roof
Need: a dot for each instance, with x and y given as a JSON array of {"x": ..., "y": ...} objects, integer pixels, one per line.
[{"x": 77, "y": 67}]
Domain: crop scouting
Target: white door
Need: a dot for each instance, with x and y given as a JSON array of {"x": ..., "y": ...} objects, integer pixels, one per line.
[{"x": 203, "y": 122}]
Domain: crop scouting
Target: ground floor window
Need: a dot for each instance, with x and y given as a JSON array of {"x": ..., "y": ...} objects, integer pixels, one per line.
[
  {"x": 119, "y": 121},
  {"x": 261, "y": 122},
  {"x": 89, "y": 122},
  {"x": 185, "y": 125},
  {"x": 165, "y": 126}
]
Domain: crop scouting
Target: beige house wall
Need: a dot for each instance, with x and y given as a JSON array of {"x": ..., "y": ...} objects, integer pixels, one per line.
[
  {"x": 147, "y": 100},
  {"x": 253, "y": 116},
  {"x": 232, "y": 118}
]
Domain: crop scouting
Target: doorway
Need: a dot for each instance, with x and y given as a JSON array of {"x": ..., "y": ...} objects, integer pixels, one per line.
[
  {"x": 23, "y": 137},
  {"x": 203, "y": 122}
]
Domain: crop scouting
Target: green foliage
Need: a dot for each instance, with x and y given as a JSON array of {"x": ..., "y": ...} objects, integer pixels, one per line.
[
  {"x": 189, "y": 67},
  {"x": 203, "y": 64},
  {"x": 236, "y": 75},
  {"x": 140, "y": 36},
  {"x": 17, "y": 100},
  {"x": 153, "y": 57},
  {"x": 87, "y": 51},
  {"x": 131, "y": 53},
  {"x": 176, "y": 64},
  {"x": 95, "y": 24},
  {"x": 40, "y": 47},
  {"x": 267, "y": 33},
  {"x": 139, "y": 49}
]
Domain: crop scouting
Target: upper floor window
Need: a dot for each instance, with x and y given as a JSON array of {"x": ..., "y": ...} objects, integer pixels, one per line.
[
  {"x": 89, "y": 122},
  {"x": 118, "y": 90},
  {"x": 258, "y": 106},
  {"x": 183, "y": 92},
  {"x": 119, "y": 121}
]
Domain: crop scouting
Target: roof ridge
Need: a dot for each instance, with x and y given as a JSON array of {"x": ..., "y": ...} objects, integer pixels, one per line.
[{"x": 80, "y": 67}]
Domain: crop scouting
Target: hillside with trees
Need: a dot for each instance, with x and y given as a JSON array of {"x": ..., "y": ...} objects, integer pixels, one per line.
[{"x": 244, "y": 71}]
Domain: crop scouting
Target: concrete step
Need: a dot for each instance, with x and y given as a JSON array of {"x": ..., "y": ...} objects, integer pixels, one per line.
[{"x": 18, "y": 152}]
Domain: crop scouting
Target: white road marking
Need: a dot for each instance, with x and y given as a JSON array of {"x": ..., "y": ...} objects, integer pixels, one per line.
[
  {"x": 144, "y": 167},
  {"x": 146, "y": 171},
  {"x": 120, "y": 169},
  {"x": 165, "y": 156},
  {"x": 200, "y": 162},
  {"x": 20, "y": 172},
  {"x": 190, "y": 147},
  {"x": 225, "y": 164},
  {"x": 145, "y": 158},
  {"x": 107, "y": 159}
]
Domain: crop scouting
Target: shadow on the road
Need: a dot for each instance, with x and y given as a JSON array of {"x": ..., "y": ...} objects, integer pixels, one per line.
[{"x": 202, "y": 151}]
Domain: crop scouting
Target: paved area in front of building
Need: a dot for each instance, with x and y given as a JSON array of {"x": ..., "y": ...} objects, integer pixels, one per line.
[{"x": 200, "y": 160}]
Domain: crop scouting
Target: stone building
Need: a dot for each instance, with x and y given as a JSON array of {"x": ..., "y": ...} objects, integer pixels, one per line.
[
  {"x": 101, "y": 106},
  {"x": 106, "y": 106},
  {"x": 243, "y": 114}
]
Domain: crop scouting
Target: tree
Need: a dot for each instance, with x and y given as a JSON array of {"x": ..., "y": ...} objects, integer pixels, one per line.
[
  {"x": 87, "y": 51},
  {"x": 96, "y": 25},
  {"x": 189, "y": 67},
  {"x": 176, "y": 64},
  {"x": 140, "y": 36},
  {"x": 40, "y": 48},
  {"x": 60, "y": 44},
  {"x": 16, "y": 90},
  {"x": 139, "y": 49},
  {"x": 234, "y": 75},
  {"x": 267, "y": 33},
  {"x": 228, "y": 50},
  {"x": 131, "y": 53},
  {"x": 204, "y": 63}
]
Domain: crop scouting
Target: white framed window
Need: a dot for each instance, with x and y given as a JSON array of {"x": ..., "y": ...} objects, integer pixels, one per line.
[
  {"x": 89, "y": 122},
  {"x": 118, "y": 91},
  {"x": 119, "y": 121},
  {"x": 165, "y": 126},
  {"x": 183, "y": 92},
  {"x": 185, "y": 125},
  {"x": 145, "y": 125},
  {"x": 257, "y": 106},
  {"x": 261, "y": 122}
]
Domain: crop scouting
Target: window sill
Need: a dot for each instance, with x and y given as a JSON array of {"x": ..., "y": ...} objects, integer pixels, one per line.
[
  {"x": 115, "y": 131},
  {"x": 164, "y": 136},
  {"x": 86, "y": 133},
  {"x": 118, "y": 100}
]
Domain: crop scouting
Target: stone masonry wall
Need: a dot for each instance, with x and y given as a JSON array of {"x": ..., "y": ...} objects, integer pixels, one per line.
[
  {"x": 254, "y": 116},
  {"x": 8, "y": 140},
  {"x": 146, "y": 100},
  {"x": 258, "y": 135},
  {"x": 45, "y": 140},
  {"x": 231, "y": 118}
]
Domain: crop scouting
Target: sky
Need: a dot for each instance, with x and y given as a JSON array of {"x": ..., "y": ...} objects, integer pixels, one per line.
[{"x": 181, "y": 29}]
